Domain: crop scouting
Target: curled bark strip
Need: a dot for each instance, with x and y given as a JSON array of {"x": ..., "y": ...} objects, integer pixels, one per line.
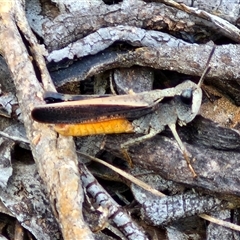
[
  {"x": 59, "y": 32},
  {"x": 190, "y": 60},
  {"x": 104, "y": 37}
]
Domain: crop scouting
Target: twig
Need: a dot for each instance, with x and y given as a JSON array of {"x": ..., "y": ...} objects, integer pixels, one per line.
[
  {"x": 125, "y": 175},
  {"x": 228, "y": 29},
  {"x": 55, "y": 157},
  {"x": 220, "y": 222}
]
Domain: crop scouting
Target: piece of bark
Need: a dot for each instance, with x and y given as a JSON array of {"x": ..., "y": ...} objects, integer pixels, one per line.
[
  {"x": 25, "y": 197},
  {"x": 223, "y": 26},
  {"x": 118, "y": 215},
  {"x": 125, "y": 79},
  {"x": 182, "y": 59},
  {"x": 6, "y": 146},
  {"x": 188, "y": 228},
  {"x": 134, "y": 13},
  {"x": 215, "y": 231},
  {"x": 226, "y": 9},
  {"x": 162, "y": 211},
  {"x": 6, "y": 81},
  {"x": 105, "y": 37},
  {"x": 55, "y": 157},
  {"x": 215, "y": 149},
  {"x": 190, "y": 60},
  {"x": 58, "y": 31}
]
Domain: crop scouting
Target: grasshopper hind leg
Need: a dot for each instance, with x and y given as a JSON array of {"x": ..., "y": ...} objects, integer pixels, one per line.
[
  {"x": 148, "y": 125},
  {"x": 134, "y": 141},
  {"x": 126, "y": 145}
]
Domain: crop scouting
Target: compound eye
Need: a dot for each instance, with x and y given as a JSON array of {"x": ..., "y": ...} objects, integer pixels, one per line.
[{"x": 186, "y": 96}]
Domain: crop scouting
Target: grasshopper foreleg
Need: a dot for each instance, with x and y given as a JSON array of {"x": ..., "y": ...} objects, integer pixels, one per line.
[{"x": 183, "y": 149}]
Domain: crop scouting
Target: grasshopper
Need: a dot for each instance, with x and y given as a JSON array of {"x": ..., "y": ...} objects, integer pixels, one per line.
[{"x": 130, "y": 113}]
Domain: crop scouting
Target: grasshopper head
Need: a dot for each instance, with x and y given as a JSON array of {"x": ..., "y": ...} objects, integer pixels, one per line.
[{"x": 188, "y": 102}]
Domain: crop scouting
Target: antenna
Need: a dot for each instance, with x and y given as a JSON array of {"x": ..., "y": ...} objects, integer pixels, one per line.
[{"x": 207, "y": 68}]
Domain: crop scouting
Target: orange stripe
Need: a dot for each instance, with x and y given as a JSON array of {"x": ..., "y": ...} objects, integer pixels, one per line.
[{"x": 94, "y": 128}]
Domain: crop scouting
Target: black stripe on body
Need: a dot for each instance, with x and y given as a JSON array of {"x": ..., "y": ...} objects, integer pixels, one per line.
[{"x": 87, "y": 113}]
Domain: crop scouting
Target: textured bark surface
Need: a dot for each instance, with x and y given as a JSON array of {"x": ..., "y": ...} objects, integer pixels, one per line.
[
  {"x": 57, "y": 30},
  {"x": 136, "y": 45}
]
